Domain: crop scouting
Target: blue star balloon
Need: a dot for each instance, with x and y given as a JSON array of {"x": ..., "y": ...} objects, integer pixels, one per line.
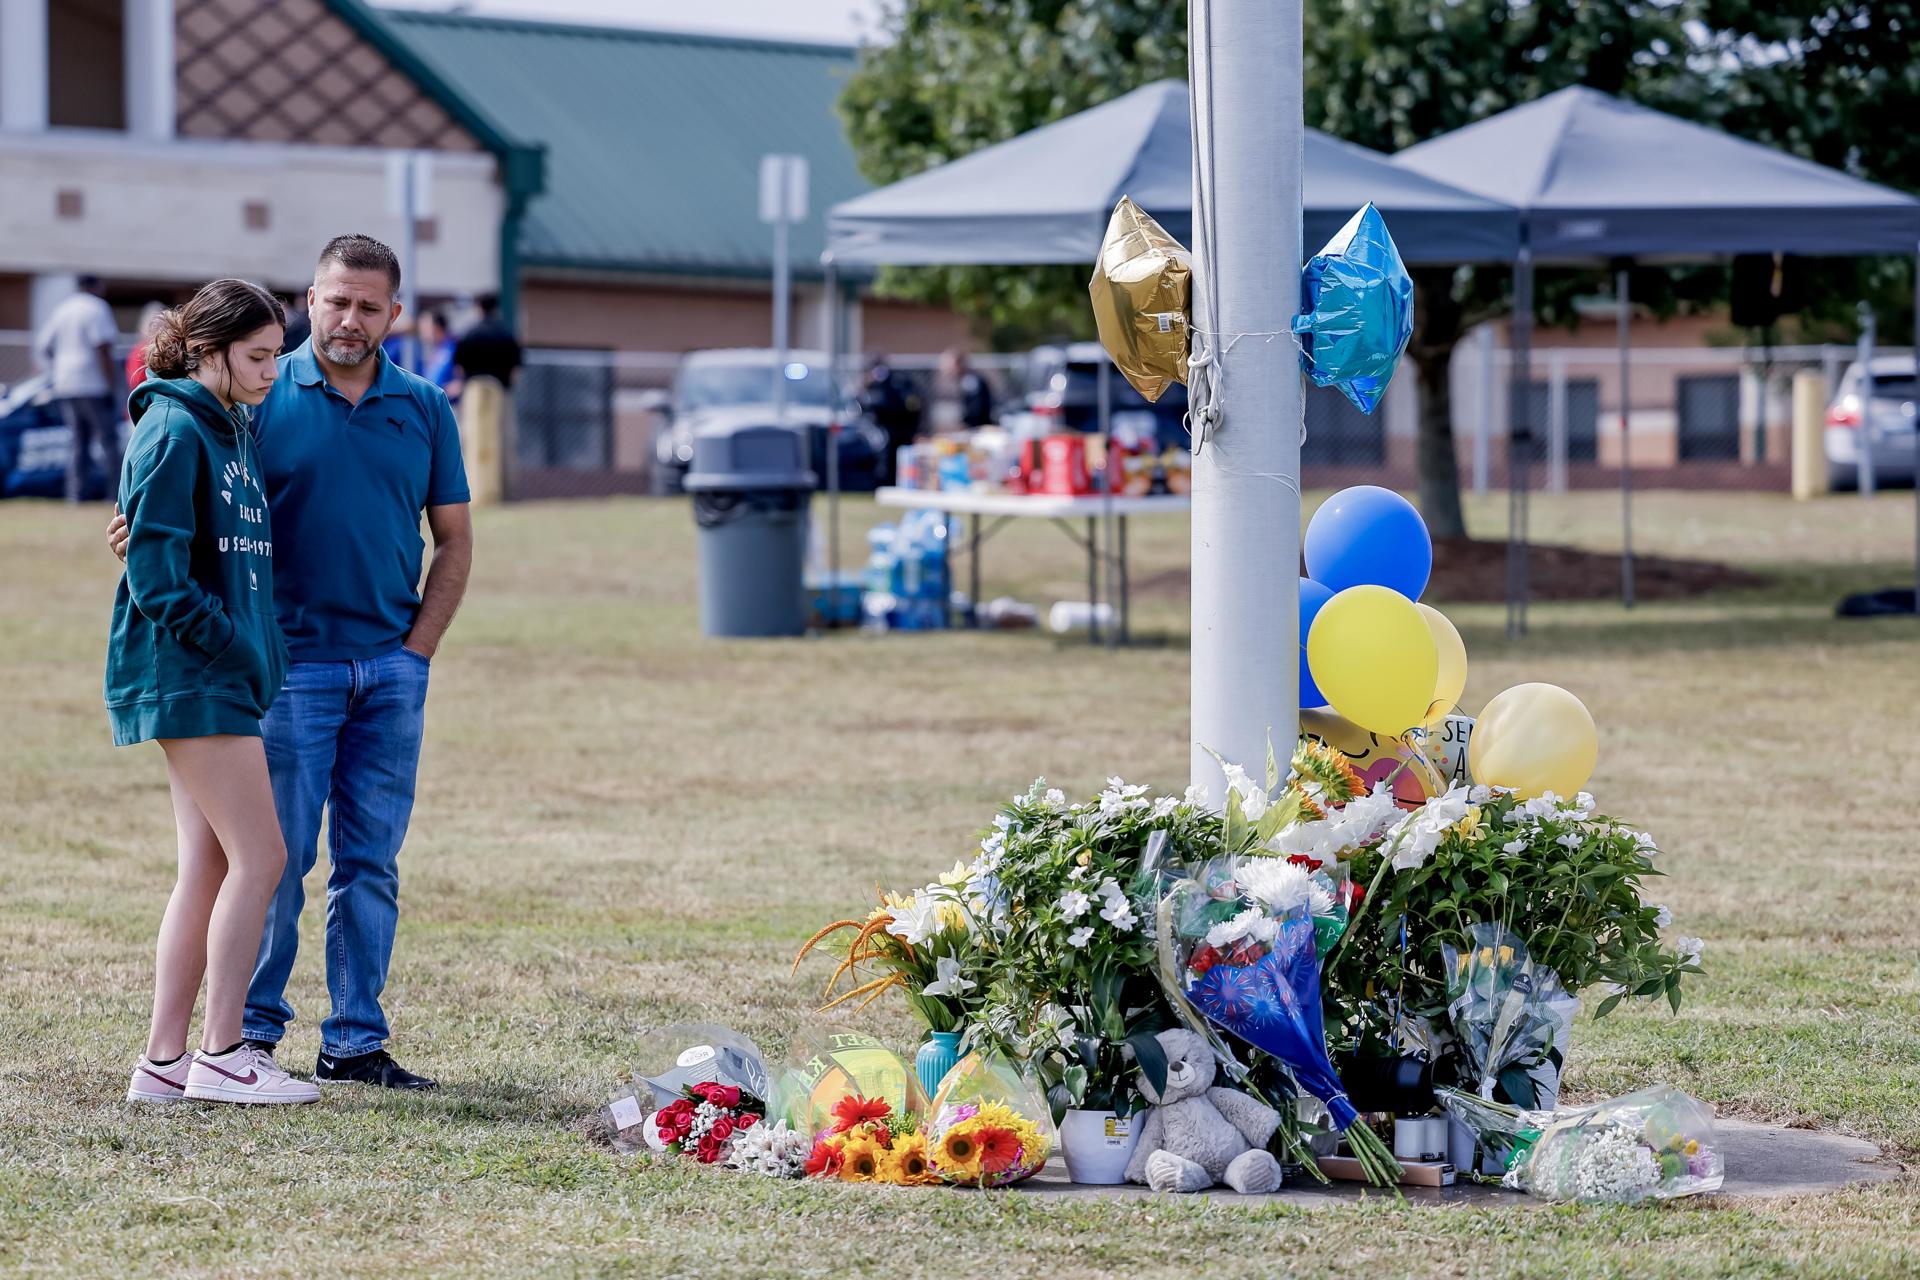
[{"x": 1356, "y": 303}]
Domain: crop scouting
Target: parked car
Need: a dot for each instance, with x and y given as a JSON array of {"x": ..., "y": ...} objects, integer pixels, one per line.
[
  {"x": 1063, "y": 383},
  {"x": 1884, "y": 422},
  {"x": 34, "y": 443},
  {"x": 729, "y": 389}
]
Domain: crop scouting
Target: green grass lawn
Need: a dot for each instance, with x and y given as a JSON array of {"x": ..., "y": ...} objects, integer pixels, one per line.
[{"x": 620, "y": 825}]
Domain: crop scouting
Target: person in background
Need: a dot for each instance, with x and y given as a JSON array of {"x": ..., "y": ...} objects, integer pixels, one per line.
[
  {"x": 488, "y": 349},
  {"x": 75, "y": 347},
  {"x": 893, "y": 406},
  {"x": 436, "y": 352},
  {"x": 137, "y": 358},
  {"x": 299, "y": 327},
  {"x": 968, "y": 386}
]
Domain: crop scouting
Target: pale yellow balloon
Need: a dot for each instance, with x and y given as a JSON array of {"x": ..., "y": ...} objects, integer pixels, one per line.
[
  {"x": 1374, "y": 659},
  {"x": 1452, "y": 652},
  {"x": 1534, "y": 738}
]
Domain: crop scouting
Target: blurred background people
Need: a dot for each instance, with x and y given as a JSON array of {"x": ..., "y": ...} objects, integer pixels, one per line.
[{"x": 75, "y": 347}]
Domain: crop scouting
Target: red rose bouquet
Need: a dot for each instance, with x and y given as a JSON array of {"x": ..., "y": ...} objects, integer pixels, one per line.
[{"x": 703, "y": 1121}]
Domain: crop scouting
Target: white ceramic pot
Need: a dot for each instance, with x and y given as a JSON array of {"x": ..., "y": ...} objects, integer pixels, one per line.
[{"x": 1098, "y": 1144}]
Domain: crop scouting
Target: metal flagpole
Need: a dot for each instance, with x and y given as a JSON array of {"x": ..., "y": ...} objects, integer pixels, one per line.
[
  {"x": 1248, "y": 139},
  {"x": 1626, "y": 446},
  {"x": 833, "y": 431},
  {"x": 1519, "y": 437}
]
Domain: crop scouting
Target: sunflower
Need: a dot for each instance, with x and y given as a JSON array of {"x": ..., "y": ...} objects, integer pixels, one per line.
[
  {"x": 861, "y": 1158},
  {"x": 906, "y": 1164},
  {"x": 959, "y": 1154}
]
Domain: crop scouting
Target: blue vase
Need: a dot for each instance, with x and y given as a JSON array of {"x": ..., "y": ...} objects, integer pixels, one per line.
[{"x": 939, "y": 1055}]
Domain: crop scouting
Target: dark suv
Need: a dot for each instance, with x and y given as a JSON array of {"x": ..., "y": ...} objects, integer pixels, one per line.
[{"x": 1063, "y": 383}]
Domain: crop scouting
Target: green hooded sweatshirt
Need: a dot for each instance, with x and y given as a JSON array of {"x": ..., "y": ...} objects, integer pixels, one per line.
[{"x": 195, "y": 648}]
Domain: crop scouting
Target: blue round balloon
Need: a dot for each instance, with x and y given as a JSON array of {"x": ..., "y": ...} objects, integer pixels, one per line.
[
  {"x": 1369, "y": 536},
  {"x": 1312, "y": 596}
]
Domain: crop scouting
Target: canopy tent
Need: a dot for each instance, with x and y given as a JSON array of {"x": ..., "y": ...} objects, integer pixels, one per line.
[
  {"x": 1595, "y": 176},
  {"x": 1045, "y": 196},
  {"x": 1599, "y": 178}
]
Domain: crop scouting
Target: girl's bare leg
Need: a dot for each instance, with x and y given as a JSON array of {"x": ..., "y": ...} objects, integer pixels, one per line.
[{"x": 224, "y": 781}]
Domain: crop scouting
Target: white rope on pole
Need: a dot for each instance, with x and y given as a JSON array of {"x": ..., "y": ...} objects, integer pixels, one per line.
[{"x": 1248, "y": 143}]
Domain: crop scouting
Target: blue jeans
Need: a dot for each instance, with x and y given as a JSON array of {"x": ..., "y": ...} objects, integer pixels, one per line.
[{"x": 344, "y": 736}]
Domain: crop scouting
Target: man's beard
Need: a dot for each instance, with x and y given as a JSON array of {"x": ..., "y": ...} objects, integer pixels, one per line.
[{"x": 347, "y": 356}]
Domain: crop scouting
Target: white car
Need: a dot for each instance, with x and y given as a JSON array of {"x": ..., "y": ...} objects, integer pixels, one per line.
[{"x": 1881, "y": 425}]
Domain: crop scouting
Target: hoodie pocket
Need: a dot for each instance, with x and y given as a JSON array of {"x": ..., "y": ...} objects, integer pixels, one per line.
[{"x": 252, "y": 667}]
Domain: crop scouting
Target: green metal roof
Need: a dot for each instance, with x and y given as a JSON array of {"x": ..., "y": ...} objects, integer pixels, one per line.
[{"x": 653, "y": 139}]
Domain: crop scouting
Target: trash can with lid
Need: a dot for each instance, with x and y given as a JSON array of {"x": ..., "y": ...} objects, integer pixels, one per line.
[{"x": 751, "y": 489}]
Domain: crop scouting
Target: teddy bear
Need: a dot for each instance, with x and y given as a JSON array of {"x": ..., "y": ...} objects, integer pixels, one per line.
[{"x": 1196, "y": 1135}]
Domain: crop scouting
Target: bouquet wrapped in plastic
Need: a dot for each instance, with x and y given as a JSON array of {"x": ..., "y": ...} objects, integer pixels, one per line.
[
  {"x": 1240, "y": 948},
  {"x": 1653, "y": 1144},
  {"x": 695, "y": 1087},
  {"x": 990, "y": 1125},
  {"x": 826, "y": 1065},
  {"x": 1506, "y": 1012}
]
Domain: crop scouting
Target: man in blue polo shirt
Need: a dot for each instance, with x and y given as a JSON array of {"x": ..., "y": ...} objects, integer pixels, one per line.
[{"x": 354, "y": 449}]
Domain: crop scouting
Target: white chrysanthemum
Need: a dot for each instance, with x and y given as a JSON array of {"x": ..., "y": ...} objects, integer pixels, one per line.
[
  {"x": 1252, "y": 923},
  {"x": 1056, "y": 797},
  {"x": 1281, "y": 886}
]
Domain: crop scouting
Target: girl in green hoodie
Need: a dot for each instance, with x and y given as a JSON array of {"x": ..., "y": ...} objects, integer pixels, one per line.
[{"x": 194, "y": 660}]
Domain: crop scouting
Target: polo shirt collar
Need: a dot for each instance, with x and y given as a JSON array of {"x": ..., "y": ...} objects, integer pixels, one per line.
[{"x": 391, "y": 380}]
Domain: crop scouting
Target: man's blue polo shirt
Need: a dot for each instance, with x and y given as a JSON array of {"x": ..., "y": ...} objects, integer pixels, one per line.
[{"x": 346, "y": 486}]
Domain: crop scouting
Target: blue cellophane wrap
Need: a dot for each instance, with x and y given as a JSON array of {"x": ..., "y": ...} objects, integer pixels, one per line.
[
  {"x": 1356, "y": 302},
  {"x": 1274, "y": 1005}
]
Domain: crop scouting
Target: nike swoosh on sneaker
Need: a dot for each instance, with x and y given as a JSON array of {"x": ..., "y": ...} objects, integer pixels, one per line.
[
  {"x": 172, "y": 1084},
  {"x": 250, "y": 1078}
]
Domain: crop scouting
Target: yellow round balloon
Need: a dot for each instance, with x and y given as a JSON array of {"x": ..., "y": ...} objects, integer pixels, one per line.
[
  {"x": 1374, "y": 659},
  {"x": 1534, "y": 738},
  {"x": 1452, "y": 652}
]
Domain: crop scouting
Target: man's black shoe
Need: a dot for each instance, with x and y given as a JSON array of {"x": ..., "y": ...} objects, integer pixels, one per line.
[
  {"x": 265, "y": 1046},
  {"x": 376, "y": 1068}
]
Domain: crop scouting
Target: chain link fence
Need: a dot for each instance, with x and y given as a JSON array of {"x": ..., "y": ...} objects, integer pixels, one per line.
[{"x": 588, "y": 423}]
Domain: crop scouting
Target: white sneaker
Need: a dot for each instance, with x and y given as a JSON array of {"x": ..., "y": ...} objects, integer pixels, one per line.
[
  {"x": 154, "y": 1083},
  {"x": 246, "y": 1076}
]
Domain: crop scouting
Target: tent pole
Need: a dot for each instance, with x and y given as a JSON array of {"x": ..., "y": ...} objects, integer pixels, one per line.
[
  {"x": 1248, "y": 145},
  {"x": 1519, "y": 437},
  {"x": 833, "y": 434},
  {"x": 1623, "y": 282}
]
